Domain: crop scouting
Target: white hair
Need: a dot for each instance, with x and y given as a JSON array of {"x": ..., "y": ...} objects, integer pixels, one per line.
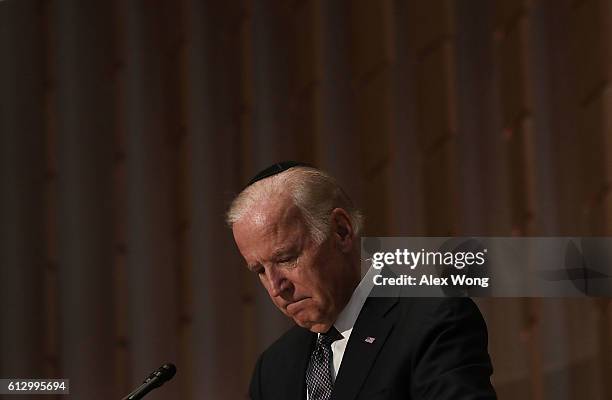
[{"x": 314, "y": 192}]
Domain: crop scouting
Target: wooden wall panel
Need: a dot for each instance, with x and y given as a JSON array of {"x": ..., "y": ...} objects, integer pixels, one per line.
[
  {"x": 127, "y": 127},
  {"x": 83, "y": 59},
  {"x": 23, "y": 179},
  {"x": 371, "y": 55},
  {"x": 152, "y": 126}
]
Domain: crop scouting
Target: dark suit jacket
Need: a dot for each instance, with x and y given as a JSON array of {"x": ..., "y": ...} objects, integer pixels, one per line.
[{"x": 424, "y": 348}]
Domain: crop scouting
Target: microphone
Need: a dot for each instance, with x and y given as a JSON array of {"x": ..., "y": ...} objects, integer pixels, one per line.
[{"x": 153, "y": 381}]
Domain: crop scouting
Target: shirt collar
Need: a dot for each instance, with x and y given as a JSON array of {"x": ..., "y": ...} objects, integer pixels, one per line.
[{"x": 348, "y": 316}]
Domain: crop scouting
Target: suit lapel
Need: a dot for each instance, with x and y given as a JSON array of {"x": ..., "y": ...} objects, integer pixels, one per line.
[{"x": 367, "y": 338}]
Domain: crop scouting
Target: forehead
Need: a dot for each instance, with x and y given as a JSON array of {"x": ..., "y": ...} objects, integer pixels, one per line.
[{"x": 269, "y": 226}]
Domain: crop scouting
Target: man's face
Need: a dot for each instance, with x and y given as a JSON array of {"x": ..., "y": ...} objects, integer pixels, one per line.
[{"x": 309, "y": 283}]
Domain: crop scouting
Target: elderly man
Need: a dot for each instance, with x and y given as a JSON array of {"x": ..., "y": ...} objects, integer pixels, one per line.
[{"x": 299, "y": 233}]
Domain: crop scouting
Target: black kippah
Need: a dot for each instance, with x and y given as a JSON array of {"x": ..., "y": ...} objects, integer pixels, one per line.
[{"x": 276, "y": 169}]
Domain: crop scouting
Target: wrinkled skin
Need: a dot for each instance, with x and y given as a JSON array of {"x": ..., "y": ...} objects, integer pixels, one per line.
[{"x": 308, "y": 282}]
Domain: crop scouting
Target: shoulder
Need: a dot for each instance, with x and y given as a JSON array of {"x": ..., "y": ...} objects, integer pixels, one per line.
[
  {"x": 439, "y": 322},
  {"x": 284, "y": 347},
  {"x": 431, "y": 313},
  {"x": 281, "y": 362},
  {"x": 427, "y": 320},
  {"x": 438, "y": 307},
  {"x": 292, "y": 337}
]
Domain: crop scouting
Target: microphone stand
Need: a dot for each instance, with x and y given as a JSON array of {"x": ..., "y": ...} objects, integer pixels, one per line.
[{"x": 153, "y": 381}]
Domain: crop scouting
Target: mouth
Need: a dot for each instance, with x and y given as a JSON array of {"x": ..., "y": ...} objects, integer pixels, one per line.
[{"x": 295, "y": 305}]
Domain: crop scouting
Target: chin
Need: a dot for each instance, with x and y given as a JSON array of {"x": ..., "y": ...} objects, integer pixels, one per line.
[
  {"x": 311, "y": 319},
  {"x": 316, "y": 327},
  {"x": 306, "y": 323},
  {"x": 303, "y": 322},
  {"x": 319, "y": 327}
]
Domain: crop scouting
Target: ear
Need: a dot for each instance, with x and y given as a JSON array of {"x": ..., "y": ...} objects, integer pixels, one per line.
[{"x": 342, "y": 229}]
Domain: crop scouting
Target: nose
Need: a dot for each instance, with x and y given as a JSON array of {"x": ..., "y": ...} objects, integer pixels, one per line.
[{"x": 277, "y": 282}]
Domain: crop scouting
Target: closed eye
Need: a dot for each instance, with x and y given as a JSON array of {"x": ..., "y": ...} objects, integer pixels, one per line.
[
  {"x": 257, "y": 269},
  {"x": 287, "y": 261}
]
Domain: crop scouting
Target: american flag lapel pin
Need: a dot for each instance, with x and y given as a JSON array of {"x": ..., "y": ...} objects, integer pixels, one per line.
[{"x": 370, "y": 339}]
